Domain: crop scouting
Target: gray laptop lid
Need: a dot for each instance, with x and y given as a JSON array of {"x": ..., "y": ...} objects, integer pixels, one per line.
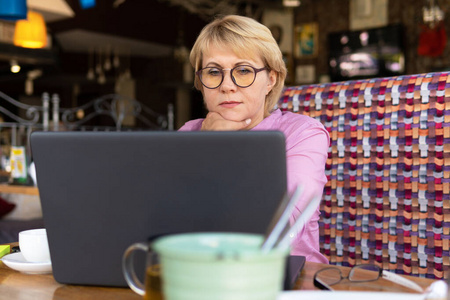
[{"x": 103, "y": 191}]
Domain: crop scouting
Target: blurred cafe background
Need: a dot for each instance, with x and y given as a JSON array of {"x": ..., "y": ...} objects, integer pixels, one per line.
[
  {"x": 124, "y": 64},
  {"x": 139, "y": 49}
]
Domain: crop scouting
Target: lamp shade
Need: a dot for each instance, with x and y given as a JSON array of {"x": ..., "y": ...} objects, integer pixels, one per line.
[
  {"x": 31, "y": 33},
  {"x": 13, "y": 10},
  {"x": 85, "y": 4}
]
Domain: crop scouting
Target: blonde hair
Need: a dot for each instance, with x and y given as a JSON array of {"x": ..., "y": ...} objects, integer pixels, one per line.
[{"x": 246, "y": 37}]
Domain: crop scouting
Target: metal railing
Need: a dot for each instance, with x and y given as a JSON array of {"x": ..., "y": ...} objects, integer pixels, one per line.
[{"x": 51, "y": 117}]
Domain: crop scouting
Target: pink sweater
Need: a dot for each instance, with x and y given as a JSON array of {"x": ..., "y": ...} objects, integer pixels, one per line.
[{"x": 307, "y": 144}]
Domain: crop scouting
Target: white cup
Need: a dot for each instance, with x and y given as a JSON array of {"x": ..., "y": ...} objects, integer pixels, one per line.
[{"x": 34, "y": 245}]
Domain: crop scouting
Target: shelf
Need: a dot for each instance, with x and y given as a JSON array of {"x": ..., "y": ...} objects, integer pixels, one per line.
[
  {"x": 19, "y": 189},
  {"x": 4, "y": 173}
]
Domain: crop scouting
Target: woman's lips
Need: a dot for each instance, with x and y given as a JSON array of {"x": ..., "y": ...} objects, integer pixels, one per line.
[{"x": 229, "y": 104}]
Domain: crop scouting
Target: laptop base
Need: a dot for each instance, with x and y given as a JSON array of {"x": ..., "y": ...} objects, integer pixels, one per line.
[{"x": 294, "y": 266}]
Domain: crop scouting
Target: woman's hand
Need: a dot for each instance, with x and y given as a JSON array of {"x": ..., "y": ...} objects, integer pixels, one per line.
[{"x": 215, "y": 122}]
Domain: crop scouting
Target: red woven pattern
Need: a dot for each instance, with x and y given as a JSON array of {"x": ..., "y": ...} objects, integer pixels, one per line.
[{"x": 387, "y": 199}]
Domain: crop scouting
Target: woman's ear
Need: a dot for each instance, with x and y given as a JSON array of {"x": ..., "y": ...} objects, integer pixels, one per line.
[{"x": 271, "y": 81}]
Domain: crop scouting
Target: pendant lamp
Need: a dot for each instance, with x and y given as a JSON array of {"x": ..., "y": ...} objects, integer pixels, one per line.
[
  {"x": 13, "y": 10},
  {"x": 85, "y": 4},
  {"x": 31, "y": 33}
]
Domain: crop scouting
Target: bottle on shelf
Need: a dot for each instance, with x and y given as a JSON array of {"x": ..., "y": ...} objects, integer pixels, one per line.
[{"x": 19, "y": 167}]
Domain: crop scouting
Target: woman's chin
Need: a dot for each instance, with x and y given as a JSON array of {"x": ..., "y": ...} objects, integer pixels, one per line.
[{"x": 232, "y": 116}]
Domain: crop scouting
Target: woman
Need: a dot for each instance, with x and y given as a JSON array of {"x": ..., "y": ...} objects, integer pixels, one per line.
[{"x": 240, "y": 72}]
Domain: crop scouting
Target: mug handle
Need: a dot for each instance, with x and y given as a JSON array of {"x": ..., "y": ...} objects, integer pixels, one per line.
[{"x": 128, "y": 267}]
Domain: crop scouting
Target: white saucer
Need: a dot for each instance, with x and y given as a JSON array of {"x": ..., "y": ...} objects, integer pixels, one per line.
[{"x": 17, "y": 262}]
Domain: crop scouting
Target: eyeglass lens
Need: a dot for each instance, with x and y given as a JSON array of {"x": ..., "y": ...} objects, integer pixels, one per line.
[
  {"x": 364, "y": 273},
  {"x": 242, "y": 76},
  {"x": 329, "y": 276}
]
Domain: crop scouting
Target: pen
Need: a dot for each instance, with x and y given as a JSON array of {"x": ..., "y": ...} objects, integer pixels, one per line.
[{"x": 287, "y": 237}]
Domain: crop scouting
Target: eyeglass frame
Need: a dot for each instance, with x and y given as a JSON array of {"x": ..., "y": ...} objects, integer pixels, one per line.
[
  {"x": 381, "y": 273},
  {"x": 199, "y": 72},
  {"x": 324, "y": 286}
]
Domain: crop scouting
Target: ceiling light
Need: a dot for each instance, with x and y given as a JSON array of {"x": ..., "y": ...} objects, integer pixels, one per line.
[
  {"x": 13, "y": 10},
  {"x": 31, "y": 33},
  {"x": 15, "y": 67},
  {"x": 85, "y": 4},
  {"x": 291, "y": 3}
]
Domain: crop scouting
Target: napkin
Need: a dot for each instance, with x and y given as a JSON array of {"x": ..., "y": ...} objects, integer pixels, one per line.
[{"x": 4, "y": 249}]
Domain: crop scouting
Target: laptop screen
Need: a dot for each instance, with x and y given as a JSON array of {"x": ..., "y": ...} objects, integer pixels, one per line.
[{"x": 102, "y": 191}]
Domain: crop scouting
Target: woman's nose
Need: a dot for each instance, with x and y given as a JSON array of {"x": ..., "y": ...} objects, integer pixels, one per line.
[{"x": 227, "y": 83}]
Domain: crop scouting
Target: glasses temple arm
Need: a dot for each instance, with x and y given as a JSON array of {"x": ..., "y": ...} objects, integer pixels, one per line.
[
  {"x": 322, "y": 285},
  {"x": 402, "y": 281}
]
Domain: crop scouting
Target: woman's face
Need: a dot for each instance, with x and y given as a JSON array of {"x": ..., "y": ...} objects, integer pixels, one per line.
[{"x": 231, "y": 101}]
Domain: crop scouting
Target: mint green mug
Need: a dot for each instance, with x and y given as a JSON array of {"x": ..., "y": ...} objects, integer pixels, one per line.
[{"x": 217, "y": 266}]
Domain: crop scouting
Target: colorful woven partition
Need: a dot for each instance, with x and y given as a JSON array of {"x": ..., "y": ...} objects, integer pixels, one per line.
[{"x": 387, "y": 199}]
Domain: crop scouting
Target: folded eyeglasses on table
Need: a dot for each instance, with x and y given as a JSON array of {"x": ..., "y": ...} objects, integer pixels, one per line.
[{"x": 325, "y": 278}]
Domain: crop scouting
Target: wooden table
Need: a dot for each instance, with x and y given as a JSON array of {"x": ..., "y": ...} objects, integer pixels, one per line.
[
  {"x": 18, "y": 189},
  {"x": 19, "y": 286}
]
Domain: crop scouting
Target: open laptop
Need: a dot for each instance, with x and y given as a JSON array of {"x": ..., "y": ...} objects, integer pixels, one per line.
[{"x": 103, "y": 191}]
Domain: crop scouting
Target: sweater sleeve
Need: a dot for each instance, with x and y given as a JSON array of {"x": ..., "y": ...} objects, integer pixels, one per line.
[
  {"x": 193, "y": 125},
  {"x": 306, "y": 154}
]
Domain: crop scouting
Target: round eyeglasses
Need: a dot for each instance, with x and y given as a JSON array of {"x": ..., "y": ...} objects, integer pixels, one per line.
[
  {"x": 325, "y": 278},
  {"x": 242, "y": 76}
]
